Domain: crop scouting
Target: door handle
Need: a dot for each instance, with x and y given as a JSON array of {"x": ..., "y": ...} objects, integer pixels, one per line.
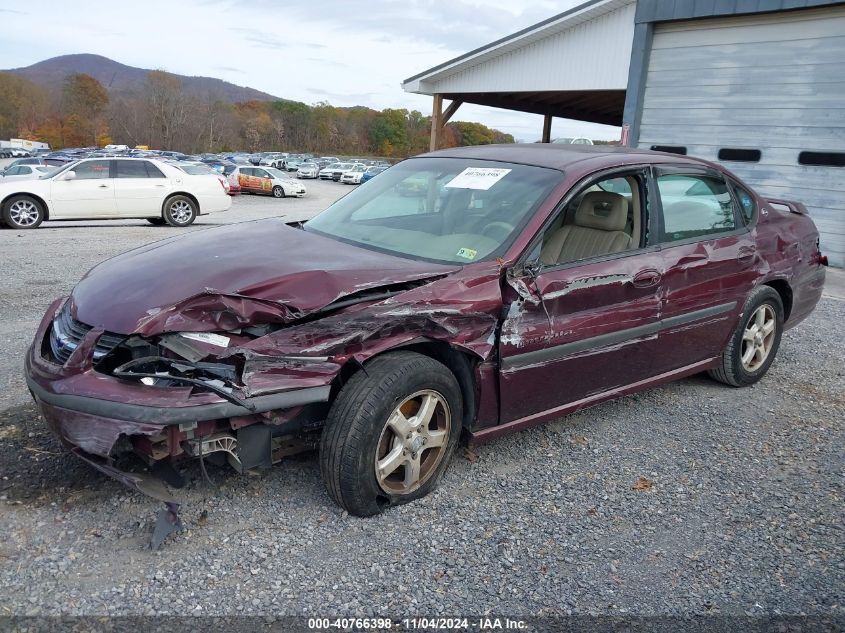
[
  {"x": 646, "y": 278},
  {"x": 746, "y": 254},
  {"x": 103, "y": 186}
]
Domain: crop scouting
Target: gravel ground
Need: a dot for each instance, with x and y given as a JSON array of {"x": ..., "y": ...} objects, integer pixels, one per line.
[{"x": 741, "y": 513}]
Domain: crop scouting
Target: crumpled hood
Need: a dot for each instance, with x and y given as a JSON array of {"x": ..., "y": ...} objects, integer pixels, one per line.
[{"x": 233, "y": 276}]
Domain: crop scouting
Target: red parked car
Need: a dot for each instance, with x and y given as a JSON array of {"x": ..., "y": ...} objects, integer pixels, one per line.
[{"x": 519, "y": 283}]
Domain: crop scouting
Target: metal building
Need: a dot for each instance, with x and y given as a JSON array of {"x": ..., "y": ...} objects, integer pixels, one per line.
[{"x": 758, "y": 85}]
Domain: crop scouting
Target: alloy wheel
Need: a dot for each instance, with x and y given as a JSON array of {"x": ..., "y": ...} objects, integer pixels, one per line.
[
  {"x": 758, "y": 337},
  {"x": 181, "y": 211},
  {"x": 24, "y": 213},
  {"x": 413, "y": 442}
]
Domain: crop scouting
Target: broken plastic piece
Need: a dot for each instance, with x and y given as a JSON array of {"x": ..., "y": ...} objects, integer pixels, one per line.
[{"x": 168, "y": 522}]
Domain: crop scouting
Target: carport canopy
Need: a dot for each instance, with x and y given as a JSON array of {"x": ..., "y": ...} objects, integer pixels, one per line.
[
  {"x": 573, "y": 65},
  {"x": 595, "y": 106}
]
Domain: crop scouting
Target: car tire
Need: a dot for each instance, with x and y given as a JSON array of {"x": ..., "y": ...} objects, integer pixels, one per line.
[
  {"x": 157, "y": 221},
  {"x": 363, "y": 428},
  {"x": 23, "y": 212},
  {"x": 180, "y": 211},
  {"x": 754, "y": 343},
  {"x": 278, "y": 192}
]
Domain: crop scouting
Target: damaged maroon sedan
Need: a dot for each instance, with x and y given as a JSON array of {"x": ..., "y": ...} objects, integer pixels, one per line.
[{"x": 470, "y": 291}]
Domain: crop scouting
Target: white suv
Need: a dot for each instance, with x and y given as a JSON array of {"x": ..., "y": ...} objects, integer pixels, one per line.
[{"x": 111, "y": 189}]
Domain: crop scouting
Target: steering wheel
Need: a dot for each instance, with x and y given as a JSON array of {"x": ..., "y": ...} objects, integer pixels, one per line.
[{"x": 498, "y": 231}]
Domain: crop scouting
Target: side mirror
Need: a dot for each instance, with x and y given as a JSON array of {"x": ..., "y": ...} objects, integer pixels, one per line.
[{"x": 69, "y": 175}]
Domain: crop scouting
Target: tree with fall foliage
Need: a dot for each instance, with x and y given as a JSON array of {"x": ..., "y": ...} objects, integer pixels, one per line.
[
  {"x": 23, "y": 106},
  {"x": 161, "y": 115}
]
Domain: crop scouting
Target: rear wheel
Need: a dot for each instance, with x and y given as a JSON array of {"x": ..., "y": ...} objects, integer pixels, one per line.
[
  {"x": 278, "y": 192},
  {"x": 23, "y": 212},
  {"x": 390, "y": 433},
  {"x": 180, "y": 211},
  {"x": 755, "y": 342}
]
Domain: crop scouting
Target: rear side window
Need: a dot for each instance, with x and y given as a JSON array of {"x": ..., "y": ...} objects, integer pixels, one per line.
[
  {"x": 746, "y": 203},
  {"x": 92, "y": 169},
  {"x": 131, "y": 169},
  {"x": 137, "y": 169},
  {"x": 694, "y": 206}
]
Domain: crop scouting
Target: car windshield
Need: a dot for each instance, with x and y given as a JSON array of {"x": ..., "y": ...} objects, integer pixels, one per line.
[
  {"x": 195, "y": 170},
  {"x": 452, "y": 210},
  {"x": 276, "y": 173}
]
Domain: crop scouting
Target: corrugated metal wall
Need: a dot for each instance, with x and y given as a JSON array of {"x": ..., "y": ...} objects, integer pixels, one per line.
[
  {"x": 593, "y": 55},
  {"x": 770, "y": 82}
]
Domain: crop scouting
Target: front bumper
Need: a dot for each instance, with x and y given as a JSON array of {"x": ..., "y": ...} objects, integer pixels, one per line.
[{"x": 91, "y": 410}]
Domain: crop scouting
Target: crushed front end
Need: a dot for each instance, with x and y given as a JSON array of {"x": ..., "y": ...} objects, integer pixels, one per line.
[{"x": 168, "y": 398}]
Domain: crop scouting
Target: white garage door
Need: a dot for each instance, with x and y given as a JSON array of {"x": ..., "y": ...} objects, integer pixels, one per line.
[{"x": 773, "y": 83}]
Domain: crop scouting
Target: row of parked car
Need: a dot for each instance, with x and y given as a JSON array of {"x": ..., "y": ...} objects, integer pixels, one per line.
[
  {"x": 238, "y": 178},
  {"x": 349, "y": 173}
]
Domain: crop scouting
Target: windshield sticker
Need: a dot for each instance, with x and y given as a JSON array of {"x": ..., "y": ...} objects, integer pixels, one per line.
[
  {"x": 481, "y": 178},
  {"x": 468, "y": 253}
]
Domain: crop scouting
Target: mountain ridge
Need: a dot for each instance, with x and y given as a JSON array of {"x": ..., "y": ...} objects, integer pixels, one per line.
[{"x": 121, "y": 78}]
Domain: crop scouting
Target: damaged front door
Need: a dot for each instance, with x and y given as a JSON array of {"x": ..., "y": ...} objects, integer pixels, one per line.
[
  {"x": 594, "y": 329},
  {"x": 584, "y": 315}
]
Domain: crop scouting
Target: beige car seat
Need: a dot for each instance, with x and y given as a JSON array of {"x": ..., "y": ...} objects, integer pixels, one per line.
[{"x": 599, "y": 229}]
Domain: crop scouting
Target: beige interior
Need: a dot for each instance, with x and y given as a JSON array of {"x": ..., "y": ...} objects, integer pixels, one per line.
[{"x": 603, "y": 222}]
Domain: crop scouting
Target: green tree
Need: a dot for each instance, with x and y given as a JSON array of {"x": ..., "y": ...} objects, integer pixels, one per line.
[{"x": 388, "y": 134}]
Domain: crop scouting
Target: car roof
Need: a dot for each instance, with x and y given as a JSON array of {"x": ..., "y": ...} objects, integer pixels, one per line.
[{"x": 561, "y": 156}]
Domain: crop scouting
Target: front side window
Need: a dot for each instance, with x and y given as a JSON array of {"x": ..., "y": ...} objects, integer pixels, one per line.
[
  {"x": 604, "y": 218},
  {"x": 694, "y": 206},
  {"x": 452, "y": 210},
  {"x": 92, "y": 169}
]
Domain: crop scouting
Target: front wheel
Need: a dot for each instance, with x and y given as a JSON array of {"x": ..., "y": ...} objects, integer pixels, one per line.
[
  {"x": 23, "y": 212},
  {"x": 755, "y": 342},
  {"x": 180, "y": 211},
  {"x": 278, "y": 192},
  {"x": 390, "y": 433}
]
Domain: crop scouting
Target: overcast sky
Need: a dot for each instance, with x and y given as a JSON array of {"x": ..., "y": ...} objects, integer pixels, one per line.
[{"x": 346, "y": 53}]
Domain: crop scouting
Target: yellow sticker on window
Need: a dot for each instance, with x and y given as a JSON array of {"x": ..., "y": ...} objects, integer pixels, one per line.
[{"x": 467, "y": 253}]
